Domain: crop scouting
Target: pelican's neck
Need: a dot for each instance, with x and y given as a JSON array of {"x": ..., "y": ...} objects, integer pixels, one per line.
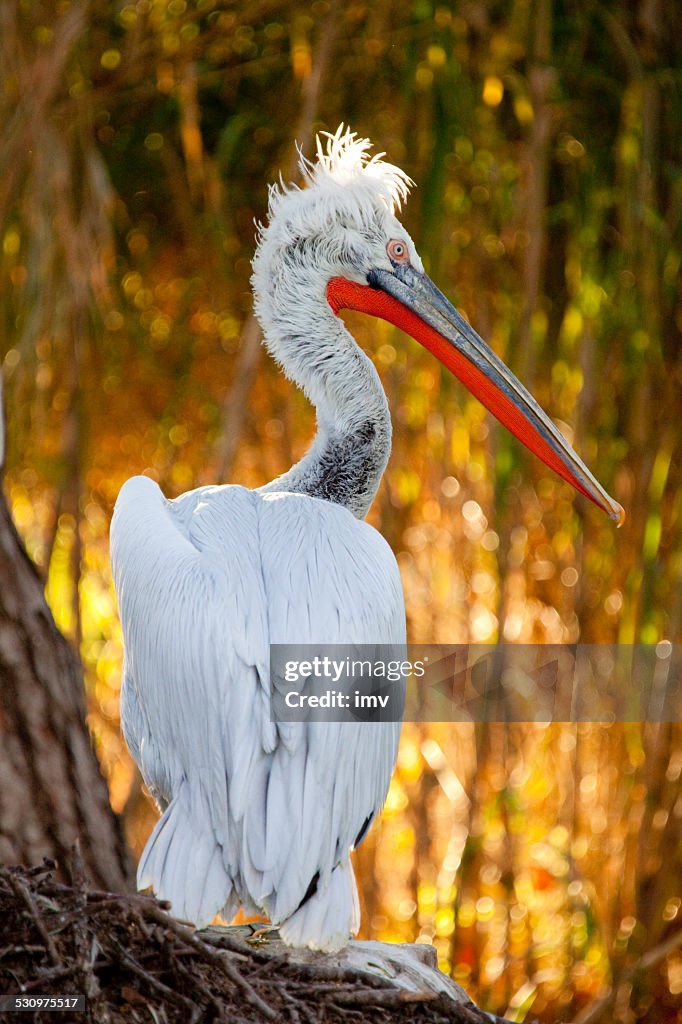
[{"x": 348, "y": 456}]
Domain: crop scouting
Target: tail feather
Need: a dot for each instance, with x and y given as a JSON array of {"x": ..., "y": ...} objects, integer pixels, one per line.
[
  {"x": 329, "y": 918},
  {"x": 183, "y": 862}
]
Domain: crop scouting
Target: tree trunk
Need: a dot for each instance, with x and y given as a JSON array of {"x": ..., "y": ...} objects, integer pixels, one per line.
[{"x": 51, "y": 788}]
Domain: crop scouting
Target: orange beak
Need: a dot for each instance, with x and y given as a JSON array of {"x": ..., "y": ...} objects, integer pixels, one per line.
[{"x": 410, "y": 300}]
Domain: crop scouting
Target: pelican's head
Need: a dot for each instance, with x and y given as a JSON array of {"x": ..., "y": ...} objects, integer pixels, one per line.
[
  {"x": 337, "y": 244},
  {"x": 339, "y": 225}
]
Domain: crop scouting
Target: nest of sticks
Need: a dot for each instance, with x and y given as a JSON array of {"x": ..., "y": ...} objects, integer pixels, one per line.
[{"x": 136, "y": 963}]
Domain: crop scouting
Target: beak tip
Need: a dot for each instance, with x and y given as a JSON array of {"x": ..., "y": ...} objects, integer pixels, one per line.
[{"x": 617, "y": 513}]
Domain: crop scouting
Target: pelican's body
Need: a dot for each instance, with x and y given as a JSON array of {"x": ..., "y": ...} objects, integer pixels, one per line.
[
  {"x": 253, "y": 810},
  {"x": 257, "y": 813}
]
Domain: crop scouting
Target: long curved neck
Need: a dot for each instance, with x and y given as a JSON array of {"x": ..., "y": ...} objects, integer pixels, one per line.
[{"x": 348, "y": 456}]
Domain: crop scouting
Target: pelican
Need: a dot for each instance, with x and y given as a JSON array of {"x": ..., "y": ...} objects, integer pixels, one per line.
[{"x": 254, "y": 813}]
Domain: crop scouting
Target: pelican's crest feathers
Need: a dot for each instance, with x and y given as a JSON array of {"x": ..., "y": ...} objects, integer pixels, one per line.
[
  {"x": 343, "y": 165},
  {"x": 345, "y": 160}
]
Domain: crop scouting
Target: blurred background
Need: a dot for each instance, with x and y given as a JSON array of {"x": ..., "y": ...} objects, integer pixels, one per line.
[{"x": 137, "y": 141}]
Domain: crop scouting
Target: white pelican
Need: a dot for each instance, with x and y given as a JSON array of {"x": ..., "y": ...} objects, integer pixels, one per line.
[{"x": 255, "y": 813}]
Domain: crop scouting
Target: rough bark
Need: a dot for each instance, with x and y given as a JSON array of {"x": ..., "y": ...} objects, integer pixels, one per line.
[{"x": 51, "y": 788}]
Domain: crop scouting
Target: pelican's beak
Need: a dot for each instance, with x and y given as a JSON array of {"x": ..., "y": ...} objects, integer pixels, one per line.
[{"x": 411, "y": 301}]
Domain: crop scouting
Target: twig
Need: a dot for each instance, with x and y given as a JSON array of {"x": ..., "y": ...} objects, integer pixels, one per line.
[
  {"x": 296, "y": 1006},
  {"x": 156, "y": 985},
  {"x": 198, "y": 984},
  {"x": 249, "y": 992},
  {"x": 50, "y": 976},
  {"x": 291, "y": 1004},
  {"x": 47, "y": 867},
  {"x": 22, "y": 892},
  {"x": 85, "y": 953}
]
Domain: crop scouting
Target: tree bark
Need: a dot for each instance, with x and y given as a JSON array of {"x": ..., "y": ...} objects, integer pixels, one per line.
[{"x": 51, "y": 788}]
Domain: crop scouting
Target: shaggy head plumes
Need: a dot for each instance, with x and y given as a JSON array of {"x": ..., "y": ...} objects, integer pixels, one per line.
[
  {"x": 338, "y": 224},
  {"x": 344, "y": 181},
  {"x": 346, "y": 161}
]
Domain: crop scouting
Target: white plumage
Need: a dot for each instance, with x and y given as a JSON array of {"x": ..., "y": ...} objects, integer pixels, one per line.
[
  {"x": 256, "y": 813},
  {"x": 254, "y": 810}
]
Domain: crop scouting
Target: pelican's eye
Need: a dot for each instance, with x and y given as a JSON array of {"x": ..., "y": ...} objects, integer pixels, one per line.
[{"x": 397, "y": 251}]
